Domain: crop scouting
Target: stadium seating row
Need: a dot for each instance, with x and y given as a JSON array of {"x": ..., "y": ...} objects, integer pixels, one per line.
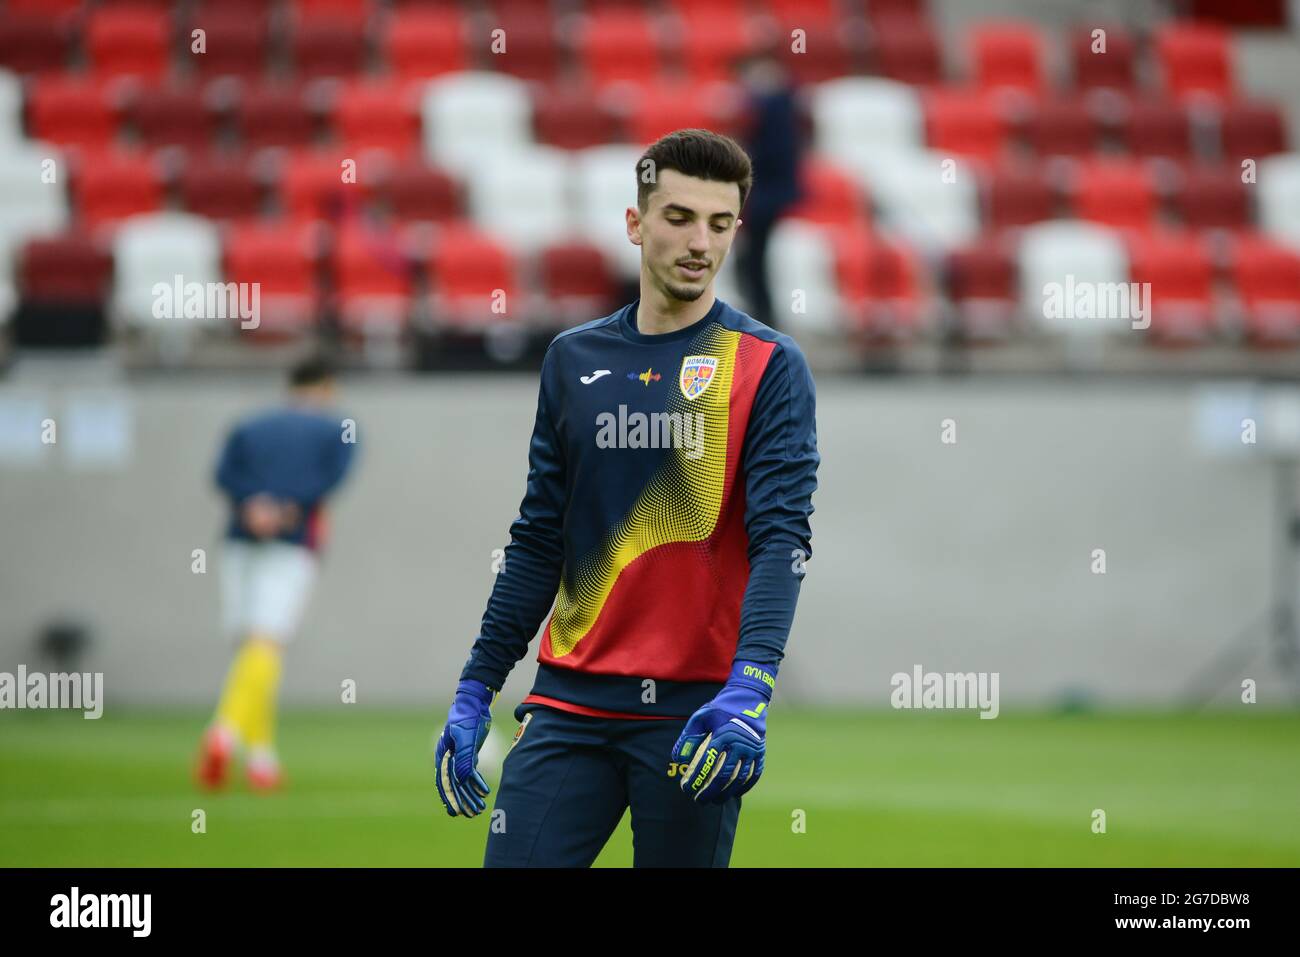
[
  {"x": 107, "y": 187},
  {"x": 1242, "y": 287},
  {"x": 609, "y": 44},
  {"x": 76, "y": 111},
  {"x": 1201, "y": 286}
]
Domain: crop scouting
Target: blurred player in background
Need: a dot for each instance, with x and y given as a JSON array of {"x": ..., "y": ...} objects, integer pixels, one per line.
[
  {"x": 671, "y": 471},
  {"x": 276, "y": 469},
  {"x": 774, "y": 142}
]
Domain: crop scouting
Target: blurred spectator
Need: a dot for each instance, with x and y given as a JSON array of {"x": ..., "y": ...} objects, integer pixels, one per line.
[{"x": 773, "y": 140}]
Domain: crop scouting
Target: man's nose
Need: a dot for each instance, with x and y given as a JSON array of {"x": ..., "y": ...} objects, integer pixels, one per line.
[{"x": 699, "y": 241}]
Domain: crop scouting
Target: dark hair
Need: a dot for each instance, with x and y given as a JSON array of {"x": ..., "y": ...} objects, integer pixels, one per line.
[
  {"x": 311, "y": 371},
  {"x": 694, "y": 152}
]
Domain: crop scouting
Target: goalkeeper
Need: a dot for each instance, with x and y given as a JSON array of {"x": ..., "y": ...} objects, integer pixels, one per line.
[{"x": 666, "y": 518}]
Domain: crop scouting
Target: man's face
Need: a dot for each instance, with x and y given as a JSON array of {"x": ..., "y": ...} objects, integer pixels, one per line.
[
  {"x": 685, "y": 232},
  {"x": 320, "y": 393}
]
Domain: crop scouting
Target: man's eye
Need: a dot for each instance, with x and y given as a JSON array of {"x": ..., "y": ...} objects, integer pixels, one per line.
[
  {"x": 719, "y": 229},
  {"x": 676, "y": 222}
]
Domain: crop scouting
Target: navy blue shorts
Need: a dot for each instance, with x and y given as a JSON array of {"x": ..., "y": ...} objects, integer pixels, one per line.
[{"x": 567, "y": 780}]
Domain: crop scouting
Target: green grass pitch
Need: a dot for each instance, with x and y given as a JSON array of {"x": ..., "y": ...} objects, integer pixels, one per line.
[{"x": 874, "y": 789}]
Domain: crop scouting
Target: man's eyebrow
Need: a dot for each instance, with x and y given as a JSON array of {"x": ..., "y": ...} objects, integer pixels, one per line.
[{"x": 679, "y": 208}]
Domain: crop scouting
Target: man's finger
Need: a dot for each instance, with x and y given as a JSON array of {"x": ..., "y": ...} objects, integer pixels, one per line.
[
  {"x": 715, "y": 791},
  {"x": 447, "y": 785}
]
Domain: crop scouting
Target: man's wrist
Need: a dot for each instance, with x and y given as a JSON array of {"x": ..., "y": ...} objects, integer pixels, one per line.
[
  {"x": 753, "y": 675},
  {"x": 479, "y": 671}
]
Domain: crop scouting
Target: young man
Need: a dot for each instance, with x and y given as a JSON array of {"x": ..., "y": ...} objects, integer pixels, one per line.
[
  {"x": 276, "y": 469},
  {"x": 671, "y": 471}
]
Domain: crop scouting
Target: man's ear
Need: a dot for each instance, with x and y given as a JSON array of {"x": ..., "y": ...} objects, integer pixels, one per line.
[
  {"x": 739, "y": 222},
  {"x": 633, "y": 217}
]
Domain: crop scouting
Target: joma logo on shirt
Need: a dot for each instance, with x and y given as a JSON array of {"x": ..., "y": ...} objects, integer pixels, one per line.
[{"x": 658, "y": 430}]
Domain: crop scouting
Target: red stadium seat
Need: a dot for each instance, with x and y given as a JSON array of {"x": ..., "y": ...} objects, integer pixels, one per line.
[
  {"x": 533, "y": 50},
  {"x": 421, "y": 43},
  {"x": 1007, "y": 55},
  {"x": 576, "y": 280},
  {"x": 1116, "y": 193},
  {"x": 964, "y": 121},
  {"x": 282, "y": 258},
  {"x": 373, "y": 279},
  {"x": 414, "y": 192},
  {"x": 1259, "y": 14},
  {"x": 71, "y": 269},
  {"x": 71, "y": 112},
  {"x": 1212, "y": 197},
  {"x": 377, "y": 113},
  {"x": 879, "y": 284},
  {"x": 1267, "y": 277},
  {"x": 235, "y": 43},
  {"x": 1252, "y": 129},
  {"x": 113, "y": 185},
  {"x": 63, "y": 284},
  {"x": 219, "y": 187},
  {"x": 1154, "y": 127},
  {"x": 712, "y": 40},
  {"x": 1064, "y": 126},
  {"x": 1108, "y": 68},
  {"x": 687, "y": 10},
  {"x": 312, "y": 186},
  {"x": 826, "y": 53},
  {"x": 32, "y": 43},
  {"x": 898, "y": 9},
  {"x": 830, "y": 196},
  {"x": 658, "y": 110},
  {"x": 274, "y": 115},
  {"x": 47, "y": 9},
  {"x": 792, "y": 11},
  {"x": 259, "y": 9},
  {"x": 908, "y": 50},
  {"x": 327, "y": 46},
  {"x": 1196, "y": 59},
  {"x": 983, "y": 286},
  {"x": 468, "y": 270},
  {"x": 1181, "y": 274},
  {"x": 128, "y": 40},
  {"x": 1017, "y": 194},
  {"x": 351, "y": 12},
  {"x": 573, "y": 116},
  {"x": 620, "y": 45},
  {"x": 172, "y": 115}
]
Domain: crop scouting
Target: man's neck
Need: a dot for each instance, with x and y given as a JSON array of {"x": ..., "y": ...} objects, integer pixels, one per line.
[{"x": 658, "y": 313}]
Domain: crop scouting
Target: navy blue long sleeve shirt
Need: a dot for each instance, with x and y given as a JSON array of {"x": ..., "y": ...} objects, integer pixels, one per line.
[
  {"x": 666, "y": 516},
  {"x": 295, "y": 454}
]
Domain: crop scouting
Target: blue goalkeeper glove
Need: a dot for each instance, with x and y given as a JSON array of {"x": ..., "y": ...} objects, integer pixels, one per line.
[
  {"x": 455, "y": 759},
  {"x": 724, "y": 741}
]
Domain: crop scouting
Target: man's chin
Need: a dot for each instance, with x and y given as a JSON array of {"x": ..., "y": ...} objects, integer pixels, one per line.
[{"x": 685, "y": 293}]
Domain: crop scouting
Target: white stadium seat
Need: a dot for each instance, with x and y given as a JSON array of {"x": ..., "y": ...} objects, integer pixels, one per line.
[
  {"x": 933, "y": 205},
  {"x": 1279, "y": 197},
  {"x": 524, "y": 198},
  {"x": 855, "y": 117},
  {"x": 801, "y": 257},
  {"x": 606, "y": 178},
  {"x": 153, "y": 249},
  {"x": 1069, "y": 252},
  {"x": 28, "y": 206},
  {"x": 473, "y": 115}
]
